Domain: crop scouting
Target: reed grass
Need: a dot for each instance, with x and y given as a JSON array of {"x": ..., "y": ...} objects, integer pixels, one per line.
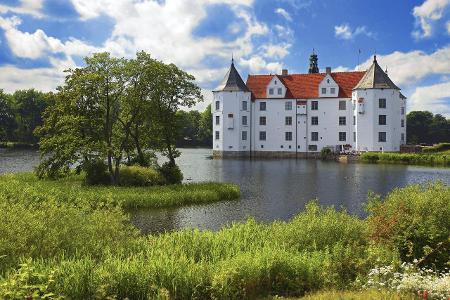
[{"x": 431, "y": 159}]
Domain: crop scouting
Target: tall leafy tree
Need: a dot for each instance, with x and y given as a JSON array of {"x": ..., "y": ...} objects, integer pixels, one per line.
[
  {"x": 7, "y": 121},
  {"x": 205, "y": 130},
  {"x": 424, "y": 127}
]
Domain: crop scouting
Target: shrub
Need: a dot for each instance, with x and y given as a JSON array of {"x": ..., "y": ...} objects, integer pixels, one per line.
[
  {"x": 370, "y": 157},
  {"x": 416, "y": 221},
  {"x": 96, "y": 172},
  {"x": 140, "y": 176},
  {"x": 149, "y": 159},
  {"x": 171, "y": 173},
  {"x": 437, "y": 148},
  {"x": 326, "y": 153}
]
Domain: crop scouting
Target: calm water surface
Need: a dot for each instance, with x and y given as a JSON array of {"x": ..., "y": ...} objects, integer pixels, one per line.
[{"x": 271, "y": 189}]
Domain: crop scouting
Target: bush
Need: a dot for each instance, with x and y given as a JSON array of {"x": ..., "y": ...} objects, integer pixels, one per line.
[
  {"x": 416, "y": 221},
  {"x": 171, "y": 173},
  {"x": 437, "y": 148},
  {"x": 149, "y": 160},
  {"x": 326, "y": 153},
  {"x": 96, "y": 172},
  {"x": 140, "y": 176}
]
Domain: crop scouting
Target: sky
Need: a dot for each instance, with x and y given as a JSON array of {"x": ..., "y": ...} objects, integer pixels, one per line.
[{"x": 39, "y": 39}]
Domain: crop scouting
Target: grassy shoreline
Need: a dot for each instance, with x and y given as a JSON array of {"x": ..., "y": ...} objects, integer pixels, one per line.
[
  {"x": 69, "y": 247},
  {"x": 72, "y": 190},
  {"x": 431, "y": 159}
]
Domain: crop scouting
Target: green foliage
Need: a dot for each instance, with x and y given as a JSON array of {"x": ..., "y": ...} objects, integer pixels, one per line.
[
  {"x": 55, "y": 227},
  {"x": 326, "y": 153},
  {"x": 140, "y": 176},
  {"x": 371, "y": 294},
  {"x": 438, "y": 159},
  {"x": 171, "y": 173},
  {"x": 196, "y": 128},
  {"x": 416, "y": 221},
  {"x": 441, "y": 147},
  {"x": 424, "y": 127},
  {"x": 96, "y": 172}
]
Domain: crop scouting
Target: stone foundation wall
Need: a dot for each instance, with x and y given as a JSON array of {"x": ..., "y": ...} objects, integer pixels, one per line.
[{"x": 264, "y": 154}]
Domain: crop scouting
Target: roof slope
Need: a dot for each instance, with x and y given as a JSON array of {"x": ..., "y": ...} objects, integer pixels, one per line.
[
  {"x": 376, "y": 78},
  {"x": 232, "y": 82},
  {"x": 304, "y": 86}
]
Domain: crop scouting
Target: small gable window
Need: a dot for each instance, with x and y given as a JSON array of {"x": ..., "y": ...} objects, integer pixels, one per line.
[
  {"x": 271, "y": 91},
  {"x": 324, "y": 90},
  {"x": 332, "y": 90},
  {"x": 280, "y": 91}
]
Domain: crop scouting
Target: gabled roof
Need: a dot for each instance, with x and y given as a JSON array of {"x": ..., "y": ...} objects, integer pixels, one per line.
[
  {"x": 232, "y": 82},
  {"x": 376, "y": 78},
  {"x": 304, "y": 86}
]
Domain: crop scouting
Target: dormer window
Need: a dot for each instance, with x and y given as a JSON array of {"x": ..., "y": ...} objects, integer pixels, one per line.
[
  {"x": 275, "y": 82},
  {"x": 280, "y": 91},
  {"x": 271, "y": 91},
  {"x": 324, "y": 90},
  {"x": 328, "y": 80},
  {"x": 332, "y": 90}
]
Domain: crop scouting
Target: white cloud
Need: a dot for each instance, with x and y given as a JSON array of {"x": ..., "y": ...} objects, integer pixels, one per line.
[
  {"x": 407, "y": 68},
  {"x": 345, "y": 32},
  {"x": 44, "y": 79},
  {"x": 257, "y": 63},
  {"x": 426, "y": 14},
  {"x": 276, "y": 51},
  {"x": 282, "y": 12},
  {"x": 434, "y": 98},
  {"x": 448, "y": 27},
  {"x": 37, "y": 44},
  {"x": 31, "y": 7}
]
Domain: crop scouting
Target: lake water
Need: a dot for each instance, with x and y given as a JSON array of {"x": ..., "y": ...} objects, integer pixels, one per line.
[{"x": 270, "y": 189}]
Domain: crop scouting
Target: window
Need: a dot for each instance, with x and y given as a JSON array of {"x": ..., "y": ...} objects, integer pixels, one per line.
[
  {"x": 288, "y": 121},
  {"x": 262, "y": 135},
  {"x": 288, "y": 136},
  {"x": 262, "y": 120},
  {"x": 217, "y": 135},
  {"x": 262, "y": 106},
  {"x": 342, "y": 136},
  {"x": 382, "y": 120},
  {"x": 342, "y": 120},
  {"x": 217, "y": 105},
  {"x": 332, "y": 90},
  {"x": 382, "y": 136},
  {"x": 244, "y": 105},
  {"x": 280, "y": 91},
  {"x": 312, "y": 147},
  {"x": 342, "y": 105},
  {"x": 354, "y": 120},
  {"x": 314, "y": 105},
  {"x": 244, "y": 120},
  {"x": 324, "y": 90},
  {"x": 271, "y": 91},
  {"x": 354, "y": 137},
  {"x": 314, "y": 120},
  {"x": 403, "y": 137},
  {"x": 288, "y": 105},
  {"x": 217, "y": 120},
  {"x": 314, "y": 136},
  {"x": 402, "y": 110},
  {"x": 244, "y": 135},
  {"x": 382, "y": 103},
  {"x": 230, "y": 115},
  {"x": 402, "y": 122}
]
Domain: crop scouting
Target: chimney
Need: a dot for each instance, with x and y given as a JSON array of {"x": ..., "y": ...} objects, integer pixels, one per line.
[
  {"x": 328, "y": 70},
  {"x": 284, "y": 72}
]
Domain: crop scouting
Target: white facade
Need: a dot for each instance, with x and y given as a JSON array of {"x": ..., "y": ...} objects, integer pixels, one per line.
[{"x": 362, "y": 122}]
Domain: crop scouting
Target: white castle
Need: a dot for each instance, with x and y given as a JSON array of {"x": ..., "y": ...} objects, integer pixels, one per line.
[{"x": 300, "y": 114}]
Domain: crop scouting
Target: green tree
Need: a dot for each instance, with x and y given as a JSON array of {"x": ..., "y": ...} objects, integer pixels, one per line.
[
  {"x": 7, "y": 121},
  {"x": 29, "y": 106},
  {"x": 418, "y": 127},
  {"x": 205, "y": 130}
]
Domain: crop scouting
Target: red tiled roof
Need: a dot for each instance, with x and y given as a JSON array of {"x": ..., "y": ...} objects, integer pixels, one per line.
[{"x": 304, "y": 86}]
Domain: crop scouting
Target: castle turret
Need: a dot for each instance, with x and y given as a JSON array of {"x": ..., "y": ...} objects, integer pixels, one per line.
[
  {"x": 231, "y": 116},
  {"x": 377, "y": 104},
  {"x": 313, "y": 63}
]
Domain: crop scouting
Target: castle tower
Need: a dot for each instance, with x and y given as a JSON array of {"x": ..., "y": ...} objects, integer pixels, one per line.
[
  {"x": 313, "y": 63},
  {"x": 231, "y": 116},
  {"x": 377, "y": 105}
]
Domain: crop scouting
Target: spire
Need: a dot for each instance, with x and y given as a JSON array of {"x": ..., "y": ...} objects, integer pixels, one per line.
[
  {"x": 376, "y": 78},
  {"x": 313, "y": 63},
  {"x": 232, "y": 82}
]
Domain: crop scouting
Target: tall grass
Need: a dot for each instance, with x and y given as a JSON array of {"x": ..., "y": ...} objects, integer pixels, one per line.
[
  {"x": 71, "y": 190},
  {"x": 74, "y": 249},
  {"x": 435, "y": 159}
]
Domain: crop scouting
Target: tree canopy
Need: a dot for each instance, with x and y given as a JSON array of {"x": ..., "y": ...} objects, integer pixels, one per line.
[
  {"x": 422, "y": 127},
  {"x": 114, "y": 109}
]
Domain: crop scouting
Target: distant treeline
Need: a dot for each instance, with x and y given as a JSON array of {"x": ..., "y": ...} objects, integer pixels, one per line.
[{"x": 20, "y": 114}]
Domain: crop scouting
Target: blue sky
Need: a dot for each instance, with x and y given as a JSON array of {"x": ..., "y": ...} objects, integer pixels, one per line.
[{"x": 41, "y": 38}]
